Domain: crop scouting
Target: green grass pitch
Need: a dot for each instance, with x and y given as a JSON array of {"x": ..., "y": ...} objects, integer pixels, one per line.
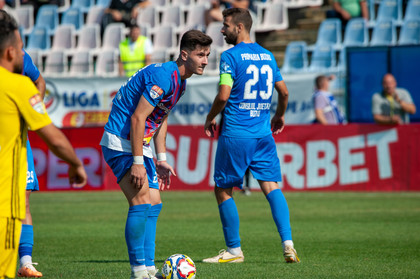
[{"x": 337, "y": 235}]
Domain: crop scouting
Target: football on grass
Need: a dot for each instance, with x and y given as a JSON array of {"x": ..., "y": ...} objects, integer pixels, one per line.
[{"x": 178, "y": 266}]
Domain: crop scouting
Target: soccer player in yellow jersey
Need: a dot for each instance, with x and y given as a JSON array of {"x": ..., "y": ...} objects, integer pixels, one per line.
[{"x": 21, "y": 107}]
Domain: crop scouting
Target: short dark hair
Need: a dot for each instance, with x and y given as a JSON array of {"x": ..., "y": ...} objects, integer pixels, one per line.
[
  {"x": 192, "y": 38},
  {"x": 319, "y": 80},
  {"x": 239, "y": 15},
  {"x": 8, "y": 26}
]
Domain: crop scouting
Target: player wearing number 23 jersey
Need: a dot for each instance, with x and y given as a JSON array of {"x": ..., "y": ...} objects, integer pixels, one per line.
[{"x": 248, "y": 77}]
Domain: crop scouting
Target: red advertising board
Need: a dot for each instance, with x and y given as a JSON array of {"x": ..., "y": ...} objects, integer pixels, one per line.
[{"x": 354, "y": 157}]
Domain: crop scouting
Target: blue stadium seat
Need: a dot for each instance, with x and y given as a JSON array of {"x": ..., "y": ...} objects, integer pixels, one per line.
[
  {"x": 47, "y": 16},
  {"x": 329, "y": 33},
  {"x": 390, "y": 10},
  {"x": 39, "y": 39},
  {"x": 84, "y": 5},
  {"x": 103, "y": 3},
  {"x": 296, "y": 57},
  {"x": 410, "y": 32},
  {"x": 323, "y": 59},
  {"x": 413, "y": 10},
  {"x": 73, "y": 16},
  {"x": 384, "y": 33},
  {"x": 356, "y": 33}
]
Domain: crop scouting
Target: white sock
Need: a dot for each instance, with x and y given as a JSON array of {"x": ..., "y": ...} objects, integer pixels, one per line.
[
  {"x": 137, "y": 268},
  {"x": 287, "y": 243},
  {"x": 151, "y": 269},
  {"x": 234, "y": 251},
  {"x": 25, "y": 259}
]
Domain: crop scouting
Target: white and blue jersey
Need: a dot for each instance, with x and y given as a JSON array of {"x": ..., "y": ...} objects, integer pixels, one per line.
[
  {"x": 31, "y": 71},
  {"x": 254, "y": 72},
  {"x": 162, "y": 87}
]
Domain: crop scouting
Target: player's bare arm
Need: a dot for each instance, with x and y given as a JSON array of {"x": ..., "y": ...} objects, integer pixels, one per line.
[
  {"x": 138, "y": 122},
  {"x": 277, "y": 122},
  {"x": 40, "y": 85},
  {"x": 163, "y": 169},
  {"x": 61, "y": 147},
  {"x": 219, "y": 104}
]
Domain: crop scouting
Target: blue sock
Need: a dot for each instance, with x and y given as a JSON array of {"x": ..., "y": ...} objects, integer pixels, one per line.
[
  {"x": 280, "y": 212},
  {"x": 230, "y": 221},
  {"x": 149, "y": 241},
  {"x": 26, "y": 241},
  {"x": 134, "y": 232}
]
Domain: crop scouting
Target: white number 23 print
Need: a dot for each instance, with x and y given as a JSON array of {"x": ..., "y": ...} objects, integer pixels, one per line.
[{"x": 255, "y": 72}]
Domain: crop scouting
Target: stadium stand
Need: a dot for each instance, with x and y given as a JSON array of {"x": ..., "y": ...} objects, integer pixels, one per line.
[
  {"x": 413, "y": 10},
  {"x": 114, "y": 33},
  {"x": 410, "y": 32},
  {"x": 89, "y": 37},
  {"x": 107, "y": 63},
  {"x": 329, "y": 33},
  {"x": 390, "y": 10},
  {"x": 356, "y": 33},
  {"x": 64, "y": 38},
  {"x": 55, "y": 63},
  {"x": 384, "y": 33},
  {"x": 25, "y": 18},
  {"x": 39, "y": 39},
  {"x": 83, "y": 5},
  {"x": 296, "y": 58},
  {"x": 103, "y": 3},
  {"x": 195, "y": 17},
  {"x": 81, "y": 64},
  {"x": 95, "y": 14}
]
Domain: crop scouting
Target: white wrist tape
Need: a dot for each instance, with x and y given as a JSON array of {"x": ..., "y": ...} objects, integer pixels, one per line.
[
  {"x": 138, "y": 160},
  {"x": 161, "y": 157}
]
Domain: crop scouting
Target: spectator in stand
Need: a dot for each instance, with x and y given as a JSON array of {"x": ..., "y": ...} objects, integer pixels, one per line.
[
  {"x": 217, "y": 7},
  {"x": 135, "y": 52},
  {"x": 348, "y": 9},
  {"x": 326, "y": 107},
  {"x": 4, "y": 6},
  {"x": 124, "y": 11},
  {"x": 392, "y": 105}
]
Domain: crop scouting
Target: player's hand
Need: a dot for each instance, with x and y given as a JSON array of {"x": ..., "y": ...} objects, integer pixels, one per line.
[
  {"x": 277, "y": 124},
  {"x": 138, "y": 175},
  {"x": 210, "y": 127},
  {"x": 164, "y": 171},
  {"x": 396, "y": 119},
  {"x": 77, "y": 176}
]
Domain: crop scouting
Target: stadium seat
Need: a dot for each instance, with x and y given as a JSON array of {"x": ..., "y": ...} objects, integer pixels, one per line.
[
  {"x": 95, "y": 15},
  {"x": 47, "y": 16},
  {"x": 55, "y": 63},
  {"x": 295, "y": 58},
  {"x": 173, "y": 15},
  {"x": 274, "y": 17},
  {"x": 103, "y": 3},
  {"x": 323, "y": 59},
  {"x": 390, "y": 10},
  {"x": 63, "y": 5},
  {"x": 73, "y": 16},
  {"x": 213, "y": 30},
  {"x": 342, "y": 60},
  {"x": 83, "y": 5},
  {"x": 384, "y": 33},
  {"x": 107, "y": 63},
  {"x": 329, "y": 33},
  {"x": 195, "y": 17},
  {"x": 356, "y": 33},
  {"x": 165, "y": 38},
  {"x": 89, "y": 37},
  {"x": 81, "y": 64},
  {"x": 147, "y": 15},
  {"x": 410, "y": 32},
  {"x": 25, "y": 18},
  {"x": 39, "y": 39},
  {"x": 113, "y": 35},
  {"x": 159, "y": 56},
  {"x": 64, "y": 37},
  {"x": 36, "y": 56},
  {"x": 182, "y": 2},
  {"x": 413, "y": 10}
]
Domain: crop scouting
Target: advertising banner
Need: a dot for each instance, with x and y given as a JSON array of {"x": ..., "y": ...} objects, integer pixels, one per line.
[{"x": 352, "y": 157}]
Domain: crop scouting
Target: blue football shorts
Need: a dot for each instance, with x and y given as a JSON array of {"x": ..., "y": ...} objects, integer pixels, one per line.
[
  {"x": 235, "y": 155},
  {"x": 31, "y": 178},
  {"x": 120, "y": 163}
]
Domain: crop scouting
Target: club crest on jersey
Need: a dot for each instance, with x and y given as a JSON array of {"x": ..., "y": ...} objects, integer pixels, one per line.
[
  {"x": 155, "y": 92},
  {"x": 37, "y": 104}
]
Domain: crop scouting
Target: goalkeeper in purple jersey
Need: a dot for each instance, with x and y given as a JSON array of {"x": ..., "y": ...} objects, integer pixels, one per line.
[
  {"x": 139, "y": 113},
  {"x": 248, "y": 76}
]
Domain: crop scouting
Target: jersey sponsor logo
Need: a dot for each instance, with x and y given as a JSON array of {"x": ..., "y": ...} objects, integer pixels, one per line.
[
  {"x": 156, "y": 91},
  {"x": 37, "y": 104}
]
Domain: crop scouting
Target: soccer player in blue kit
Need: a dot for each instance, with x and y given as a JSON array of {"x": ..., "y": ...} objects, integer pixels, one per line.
[
  {"x": 26, "y": 244},
  {"x": 139, "y": 113},
  {"x": 248, "y": 75}
]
